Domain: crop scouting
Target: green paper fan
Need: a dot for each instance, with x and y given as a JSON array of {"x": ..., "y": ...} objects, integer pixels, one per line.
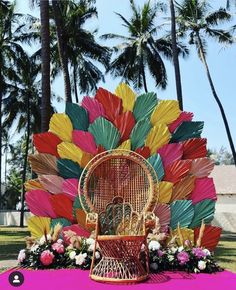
[
  {"x": 156, "y": 162},
  {"x": 63, "y": 222},
  {"x": 68, "y": 168},
  {"x": 203, "y": 211},
  {"x": 104, "y": 133},
  {"x": 187, "y": 130},
  {"x": 78, "y": 116},
  {"x": 139, "y": 133},
  {"x": 144, "y": 106},
  {"x": 182, "y": 212}
]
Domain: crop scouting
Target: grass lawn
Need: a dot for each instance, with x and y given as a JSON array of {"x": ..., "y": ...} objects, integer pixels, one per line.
[{"x": 12, "y": 239}]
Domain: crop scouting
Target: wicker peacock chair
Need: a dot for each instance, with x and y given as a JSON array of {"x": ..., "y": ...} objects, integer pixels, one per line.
[{"x": 119, "y": 190}]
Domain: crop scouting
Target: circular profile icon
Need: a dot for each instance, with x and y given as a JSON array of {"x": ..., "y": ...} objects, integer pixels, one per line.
[{"x": 16, "y": 278}]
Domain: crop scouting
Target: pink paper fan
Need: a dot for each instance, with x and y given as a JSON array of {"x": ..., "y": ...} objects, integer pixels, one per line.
[
  {"x": 94, "y": 108},
  {"x": 80, "y": 231},
  {"x": 202, "y": 167},
  {"x": 183, "y": 117},
  {"x": 204, "y": 189},
  {"x": 51, "y": 183},
  {"x": 85, "y": 141},
  {"x": 170, "y": 153},
  {"x": 162, "y": 211},
  {"x": 39, "y": 203},
  {"x": 70, "y": 187}
]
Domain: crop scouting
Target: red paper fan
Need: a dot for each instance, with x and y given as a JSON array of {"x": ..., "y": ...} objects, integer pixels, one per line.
[
  {"x": 110, "y": 102},
  {"x": 100, "y": 149},
  {"x": 143, "y": 151},
  {"x": 46, "y": 143},
  {"x": 183, "y": 117},
  {"x": 177, "y": 170},
  {"x": 125, "y": 123},
  {"x": 62, "y": 206},
  {"x": 194, "y": 148},
  {"x": 211, "y": 237}
]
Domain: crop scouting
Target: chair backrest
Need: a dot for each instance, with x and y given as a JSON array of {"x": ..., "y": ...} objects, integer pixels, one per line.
[{"x": 118, "y": 173}]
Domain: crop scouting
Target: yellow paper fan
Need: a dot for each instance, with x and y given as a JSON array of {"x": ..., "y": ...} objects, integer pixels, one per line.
[
  {"x": 165, "y": 189},
  {"x": 70, "y": 151},
  {"x": 183, "y": 188},
  {"x": 182, "y": 235},
  {"x": 125, "y": 93},
  {"x": 33, "y": 184},
  {"x": 165, "y": 112},
  {"x": 158, "y": 136},
  {"x": 126, "y": 145},
  {"x": 60, "y": 124},
  {"x": 38, "y": 226}
]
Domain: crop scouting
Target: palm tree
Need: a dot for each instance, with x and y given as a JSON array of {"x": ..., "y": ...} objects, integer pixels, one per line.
[
  {"x": 11, "y": 27},
  {"x": 195, "y": 20},
  {"x": 141, "y": 49},
  {"x": 175, "y": 55},
  {"x": 45, "y": 55},
  {"x": 81, "y": 50},
  {"x": 22, "y": 108}
]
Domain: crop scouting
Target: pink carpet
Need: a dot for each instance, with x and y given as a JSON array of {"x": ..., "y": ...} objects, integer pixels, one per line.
[{"x": 77, "y": 279}]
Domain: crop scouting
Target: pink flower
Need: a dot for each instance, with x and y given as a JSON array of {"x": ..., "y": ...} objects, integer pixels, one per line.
[
  {"x": 199, "y": 253},
  {"x": 160, "y": 253},
  {"x": 46, "y": 258},
  {"x": 183, "y": 258},
  {"x": 58, "y": 247}
]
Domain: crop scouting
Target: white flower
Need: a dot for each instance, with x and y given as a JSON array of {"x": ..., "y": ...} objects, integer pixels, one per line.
[
  {"x": 34, "y": 248},
  {"x": 97, "y": 255},
  {"x": 72, "y": 255},
  {"x": 79, "y": 259},
  {"x": 85, "y": 255},
  {"x": 42, "y": 239},
  {"x": 173, "y": 250},
  {"x": 60, "y": 241},
  {"x": 154, "y": 246},
  {"x": 207, "y": 252},
  {"x": 90, "y": 241},
  {"x": 201, "y": 265},
  {"x": 91, "y": 248},
  {"x": 153, "y": 266},
  {"x": 21, "y": 256},
  {"x": 180, "y": 249},
  {"x": 196, "y": 270}
]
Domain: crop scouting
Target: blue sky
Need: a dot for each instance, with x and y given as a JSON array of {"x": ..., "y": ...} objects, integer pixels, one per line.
[{"x": 196, "y": 91}]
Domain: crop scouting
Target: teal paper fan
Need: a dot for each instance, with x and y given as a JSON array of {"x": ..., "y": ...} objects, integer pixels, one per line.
[
  {"x": 68, "y": 168},
  {"x": 139, "y": 133},
  {"x": 182, "y": 212},
  {"x": 156, "y": 162},
  {"x": 187, "y": 130},
  {"x": 78, "y": 116},
  {"x": 104, "y": 133},
  {"x": 203, "y": 211},
  {"x": 144, "y": 106},
  {"x": 63, "y": 222}
]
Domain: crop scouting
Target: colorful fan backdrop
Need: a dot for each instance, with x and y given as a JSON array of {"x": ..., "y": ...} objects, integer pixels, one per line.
[{"x": 156, "y": 129}]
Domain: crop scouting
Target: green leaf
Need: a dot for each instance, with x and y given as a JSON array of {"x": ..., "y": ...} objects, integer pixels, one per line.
[
  {"x": 156, "y": 162},
  {"x": 78, "y": 116},
  {"x": 182, "y": 212},
  {"x": 144, "y": 106},
  {"x": 139, "y": 133},
  {"x": 203, "y": 211},
  {"x": 104, "y": 133},
  {"x": 68, "y": 168},
  {"x": 187, "y": 130}
]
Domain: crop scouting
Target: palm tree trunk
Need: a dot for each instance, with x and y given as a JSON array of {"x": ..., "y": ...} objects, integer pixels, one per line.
[
  {"x": 175, "y": 56},
  {"x": 144, "y": 80},
  {"x": 203, "y": 59},
  {"x": 62, "y": 48},
  {"x": 22, "y": 211},
  {"x": 75, "y": 85},
  {"x": 45, "y": 56}
]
